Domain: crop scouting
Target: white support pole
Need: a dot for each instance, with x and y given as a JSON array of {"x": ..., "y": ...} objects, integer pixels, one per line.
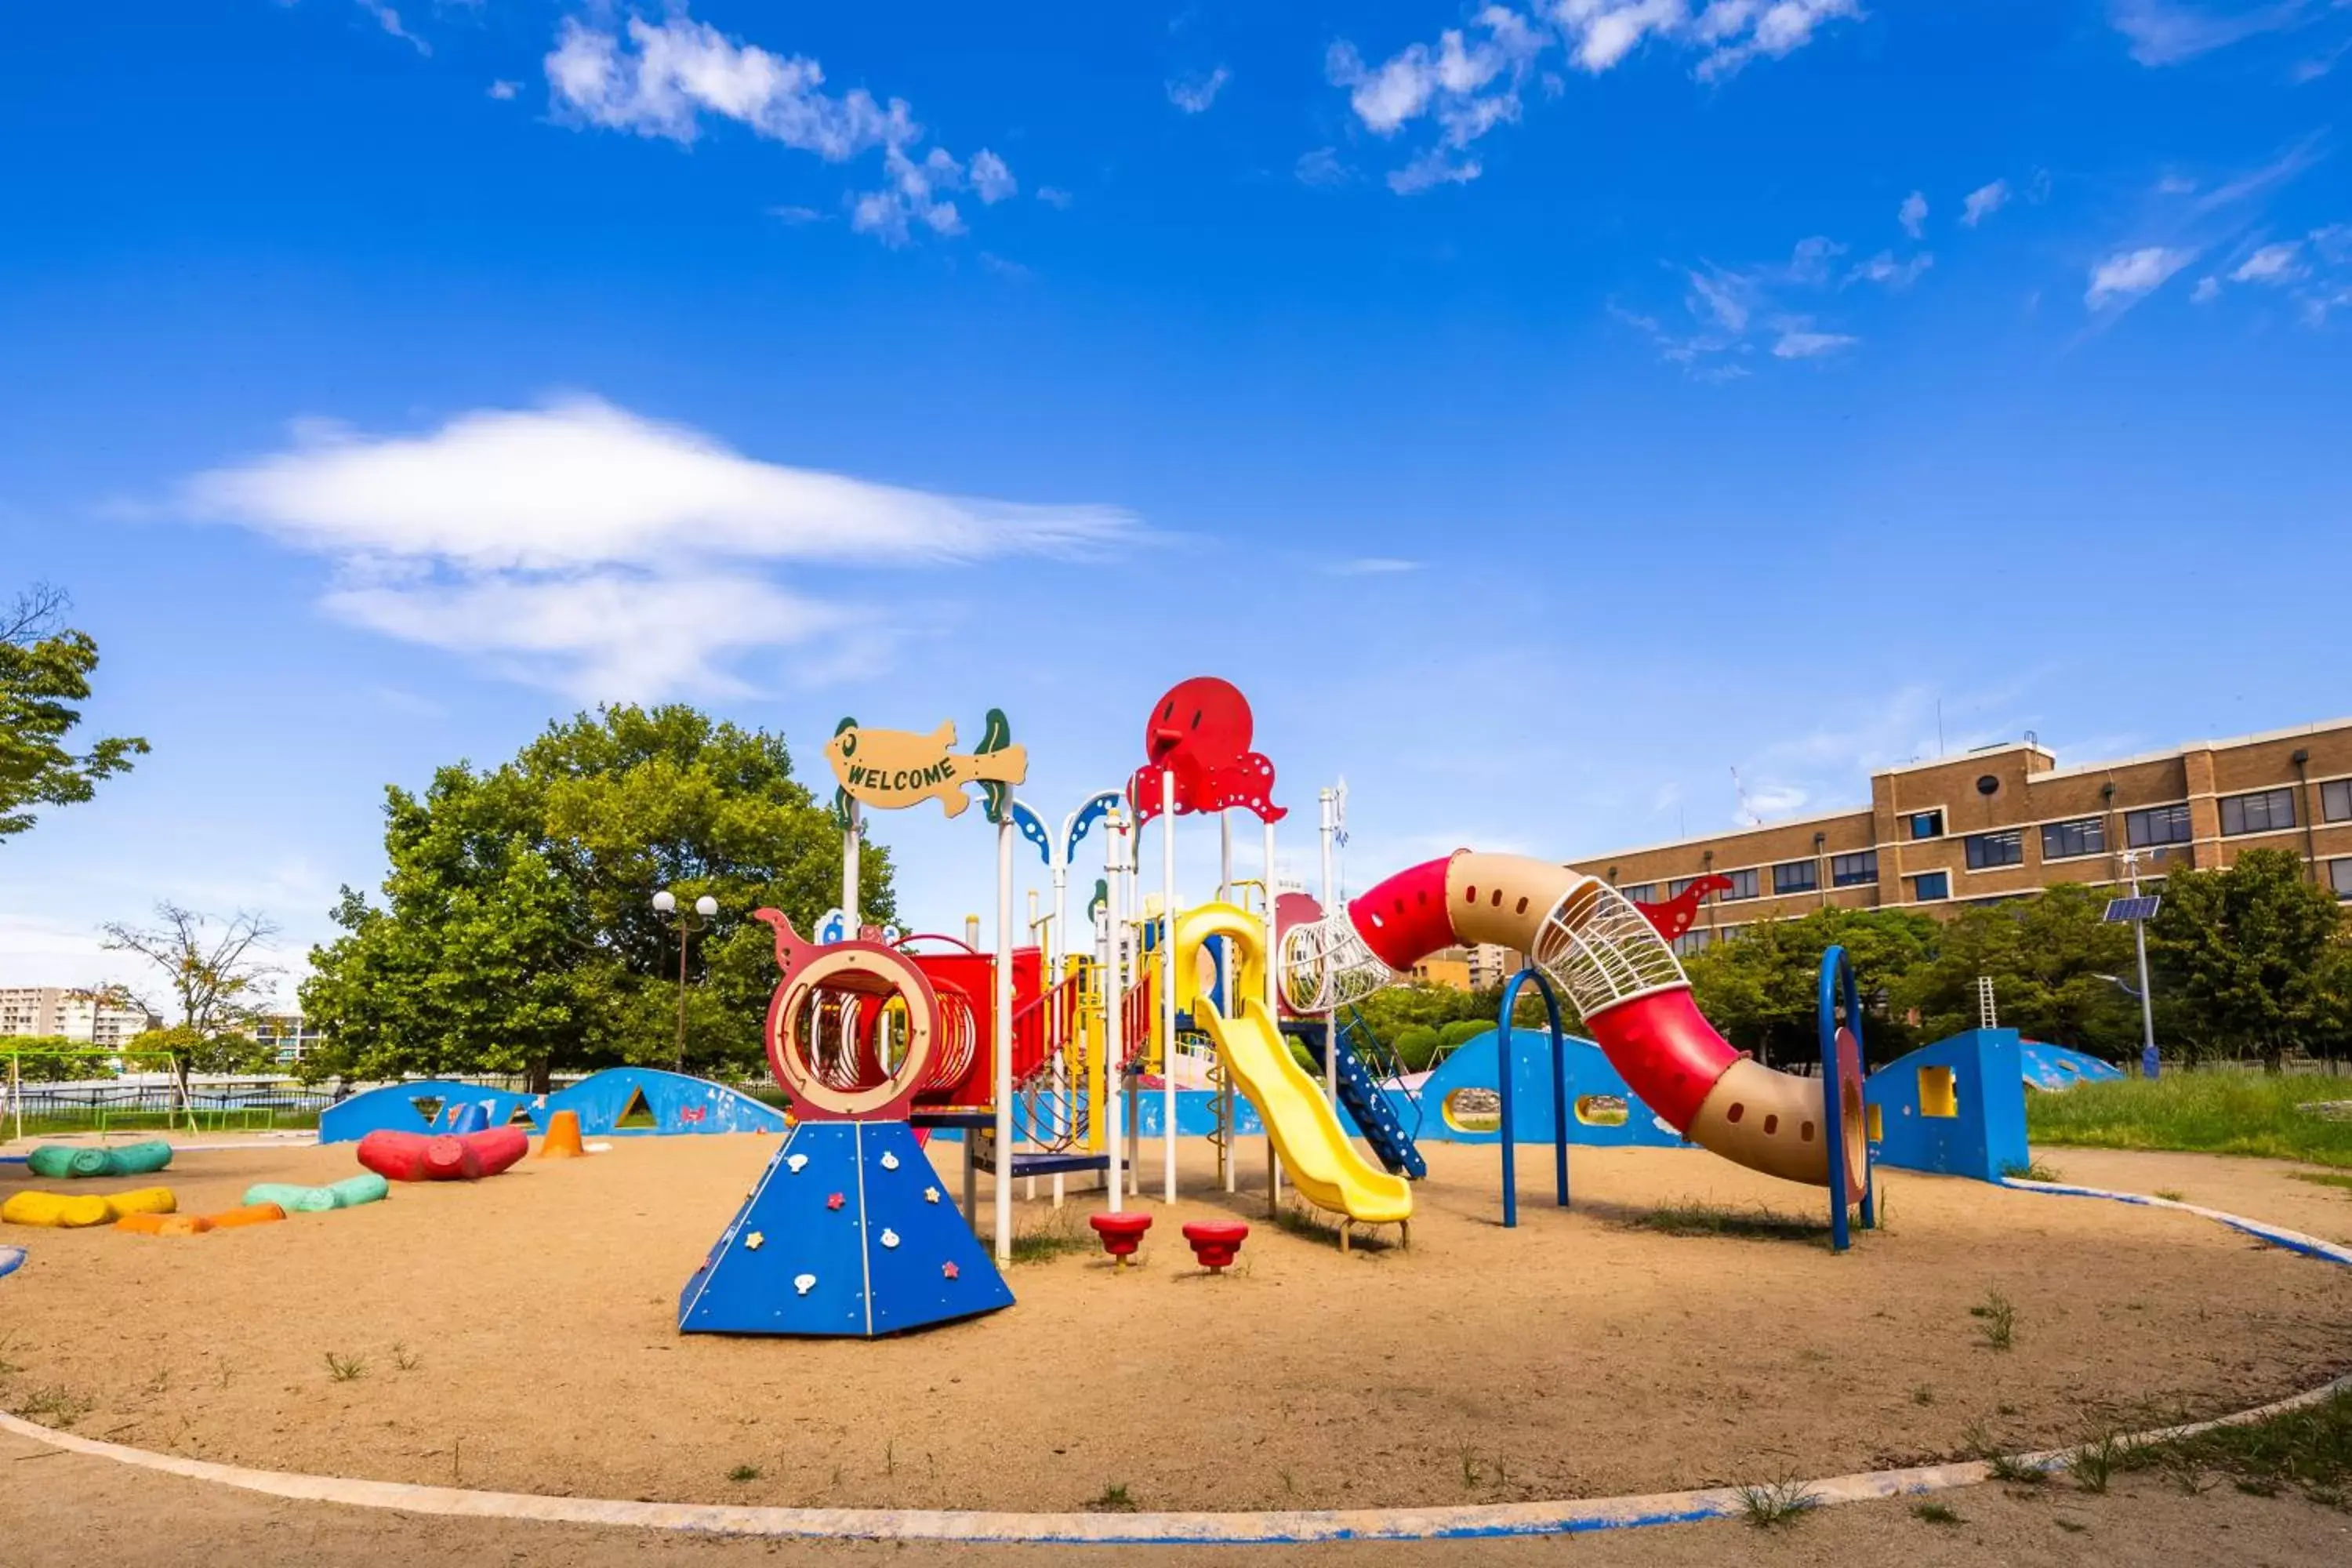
[
  {"x": 849, "y": 870},
  {"x": 1114, "y": 996},
  {"x": 1004, "y": 1033},
  {"x": 1328, "y": 804},
  {"x": 1270, "y": 961},
  {"x": 1167, "y": 985},
  {"x": 1066, "y": 1083}
]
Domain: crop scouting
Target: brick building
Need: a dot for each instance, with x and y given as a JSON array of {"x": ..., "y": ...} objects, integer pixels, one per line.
[{"x": 2007, "y": 820}]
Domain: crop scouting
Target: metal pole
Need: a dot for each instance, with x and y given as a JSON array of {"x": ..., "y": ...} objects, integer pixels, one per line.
[
  {"x": 1270, "y": 961},
  {"x": 2148, "y": 1060},
  {"x": 1329, "y": 812},
  {"x": 1167, "y": 985},
  {"x": 683, "y": 933},
  {"x": 1004, "y": 1033},
  {"x": 849, "y": 869},
  {"x": 1114, "y": 993}
]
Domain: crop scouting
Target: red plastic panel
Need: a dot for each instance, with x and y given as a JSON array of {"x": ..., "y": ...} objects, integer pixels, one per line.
[
  {"x": 1667, "y": 1051},
  {"x": 1405, "y": 919}
]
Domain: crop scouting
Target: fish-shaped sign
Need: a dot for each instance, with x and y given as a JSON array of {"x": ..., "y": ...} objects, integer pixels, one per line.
[{"x": 889, "y": 769}]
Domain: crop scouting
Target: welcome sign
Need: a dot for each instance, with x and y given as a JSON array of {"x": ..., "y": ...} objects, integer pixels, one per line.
[{"x": 892, "y": 769}]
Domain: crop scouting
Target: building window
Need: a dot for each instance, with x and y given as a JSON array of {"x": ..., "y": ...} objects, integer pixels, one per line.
[
  {"x": 1640, "y": 892},
  {"x": 2335, "y": 801},
  {"x": 1926, "y": 825},
  {"x": 1853, "y": 870},
  {"x": 2157, "y": 824},
  {"x": 1678, "y": 886},
  {"x": 1986, "y": 850},
  {"x": 1698, "y": 940},
  {"x": 1796, "y": 876},
  {"x": 1743, "y": 885},
  {"x": 2065, "y": 840},
  {"x": 1929, "y": 887},
  {"x": 2340, "y": 877},
  {"x": 2264, "y": 811}
]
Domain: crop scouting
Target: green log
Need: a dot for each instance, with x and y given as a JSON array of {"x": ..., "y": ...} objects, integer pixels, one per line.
[
  {"x": 138, "y": 1159},
  {"x": 367, "y": 1187},
  {"x": 55, "y": 1161},
  {"x": 291, "y": 1198}
]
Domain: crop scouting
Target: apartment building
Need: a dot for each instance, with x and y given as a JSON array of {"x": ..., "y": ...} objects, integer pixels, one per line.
[
  {"x": 1480, "y": 967},
  {"x": 287, "y": 1035},
  {"x": 2007, "y": 820},
  {"x": 74, "y": 1014}
]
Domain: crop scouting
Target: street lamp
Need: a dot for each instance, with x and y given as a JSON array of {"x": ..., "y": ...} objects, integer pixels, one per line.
[{"x": 688, "y": 923}]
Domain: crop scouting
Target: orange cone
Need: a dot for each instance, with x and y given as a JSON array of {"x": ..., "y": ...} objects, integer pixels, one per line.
[{"x": 562, "y": 1140}]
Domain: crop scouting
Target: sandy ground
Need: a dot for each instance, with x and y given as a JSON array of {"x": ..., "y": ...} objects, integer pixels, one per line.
[
  {"x": 520, "y": 1335},
  {"x": 61, "y": 1511}
]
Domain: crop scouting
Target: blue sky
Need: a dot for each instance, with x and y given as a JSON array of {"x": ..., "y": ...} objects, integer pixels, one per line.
[{"x": 1541, "y": 411}]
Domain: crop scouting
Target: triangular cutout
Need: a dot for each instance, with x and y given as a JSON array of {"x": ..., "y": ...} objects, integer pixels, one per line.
[
  {"x": 849, "y": 1232},
  {"x": 428, "y": 1107},
  {"x": 521, "y": 1117},
  {"x": 635, "y": 1114}
]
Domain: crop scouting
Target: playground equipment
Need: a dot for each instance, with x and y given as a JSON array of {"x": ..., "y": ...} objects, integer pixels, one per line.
[
  {"x": 623, "y": 1102},
  {"x": 1121, "y": 1234},
  {"x": 562, "y": 1140},
  {"x": 443, "y": 1156},
  {"x": 1215, "y": 1243},
  {"x": 2055, "y": 1068},
  {"x": 58, "y": 1161},
  {"x": 59, "y": 1211},
  {"x": 1957, "y": 1107},
  {"x": 367, "y": 1187}
]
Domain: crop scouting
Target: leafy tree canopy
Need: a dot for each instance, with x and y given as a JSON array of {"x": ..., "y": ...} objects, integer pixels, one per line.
[
  {"x": 2049, "y": 958},
  {"x": 1761, "y": 988},
  {"x": 517, "y": 934},
  {"x": 45, "y": 669},
  {"x": 2253, "y": 959}
]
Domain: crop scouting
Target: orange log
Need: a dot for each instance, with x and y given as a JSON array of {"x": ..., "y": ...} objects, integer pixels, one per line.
[
  {"x": 562, "y": 1140},
  {"x": 251, "y": 1214},
  {"x": 164, "y": 1224}
]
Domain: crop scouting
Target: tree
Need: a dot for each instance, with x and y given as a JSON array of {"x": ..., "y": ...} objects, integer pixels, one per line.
[
  {"x": 57, "y": 1059},
  {"x": 516, "y": 932},
  {"x": 215, "y": 976},
  {"x": 2252, "y": 959},
  {"x": 44, "y": 670},
  {"x": 2049, "y": 958},
  {"x": 193, "y": 1052},
  {"x": 1761, "y": 987}
]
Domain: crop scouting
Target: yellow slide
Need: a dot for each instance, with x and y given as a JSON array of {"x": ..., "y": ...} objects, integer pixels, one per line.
[{"x": 1323, "y": 1164}]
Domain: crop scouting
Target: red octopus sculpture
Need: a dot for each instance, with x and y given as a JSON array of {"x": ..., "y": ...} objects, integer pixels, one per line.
[{"x": 1200, "y": 733}]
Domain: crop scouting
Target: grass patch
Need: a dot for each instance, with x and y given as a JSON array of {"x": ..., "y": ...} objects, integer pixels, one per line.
[
  {"x": 2032, "y": 1171},
  {"x": 1923, "y": 1395},
  {"x": 1936, "y": 1513},
  {"x": 1996, "y": 1320},
  {"x": 2095, "y": 1462},
  {"x": 2325, "y": 1179},
  {"x": 1777, "y": 1503},
  {"x": 2015, "y": 1471},
  {"x": 346, "y": 1368},
  {"x": 1112, "y": 1498},
  {"x": 2218, "y": 1113},
  {"x": 1055, "y": 1238},
  {"x": 744, "y": 1473},
  {"x": 2310, "y": 1448},
  {"x": 1717, "y": 1219},
  {"x": 56, "y": 1406}
]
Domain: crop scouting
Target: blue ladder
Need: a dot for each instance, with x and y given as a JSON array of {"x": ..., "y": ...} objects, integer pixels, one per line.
[{"x": 1374, "y": 1114}]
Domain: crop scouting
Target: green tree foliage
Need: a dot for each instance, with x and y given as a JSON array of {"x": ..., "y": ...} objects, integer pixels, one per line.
[
  {"x": 45, "y": 669},
  {"x": 1414, "y": 1045},
  {"x": 2253, "y": 960},
  {"x": 195, "y": 1051},
  {"x": 216, "y": 979},
  {"x": 1761, "y": 988},
  {"x": 517, "y": 934},
  {"x": 2048, "y": 957},
  {"x": 56, "y": 1059}
]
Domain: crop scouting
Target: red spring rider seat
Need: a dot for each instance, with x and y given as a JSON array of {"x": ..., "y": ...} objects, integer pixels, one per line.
[
  {"x": 1121, "y": 1233},
  {"x": 1215, "y": 1242}
]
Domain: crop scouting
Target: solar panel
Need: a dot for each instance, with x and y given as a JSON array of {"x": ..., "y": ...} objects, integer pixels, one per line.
[{"x": 2121, "y": 912}]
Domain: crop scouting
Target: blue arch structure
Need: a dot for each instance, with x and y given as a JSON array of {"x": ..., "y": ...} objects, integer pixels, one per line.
[
  {"x": 675, "y": 1103},
  {"x": 2055, "y": 1067},
  {"x": 1956, "y": 1108},
  {"x": 1593, "y": 1086}
]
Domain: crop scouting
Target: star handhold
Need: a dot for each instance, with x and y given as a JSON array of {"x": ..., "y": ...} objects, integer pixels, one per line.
[
  {"x": 889, "y": 1161},
  {"x": 835, "y": 1201},
  {"x": 794, "y": 1162},
  {"x": 755, "y": 1241},
  {"x": 947, "y": 1270},
  {"x": 930, "y": 1194},
  {"x": 889, "y": 1237}
]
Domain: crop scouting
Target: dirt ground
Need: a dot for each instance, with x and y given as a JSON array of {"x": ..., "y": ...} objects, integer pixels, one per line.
[{"x": 520, "y": 1335}]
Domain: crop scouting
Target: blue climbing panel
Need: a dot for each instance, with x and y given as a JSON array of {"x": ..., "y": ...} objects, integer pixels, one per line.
[
  {"x": 848, "y": 1233},
  {"x": 1373, "y": 1112}
]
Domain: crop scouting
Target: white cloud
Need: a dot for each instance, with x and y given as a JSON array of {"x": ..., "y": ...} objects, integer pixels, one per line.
[
  {"x": 1913, "y": 213},
  {"x": 796, "y": 216},
  {"x": 1321, "y": 167},
  {"x": 990, "y": 180},
  {"x": 1983, "y": 202},
  {"x": 1470, "y": 79},
  {"x": 1434, "y": 168},
  {"x": 2128, "y": 275},
  {"x": 1193, "y": 95},
  {"x": 1806, "y": 344},
  {"x": 2167, "y": 32},
  {"x": 389, "y": 20},
  {"x": 1004, "y": 268},
  {"x": 1885, "y": 271},
  {"x": 2208, "y": 290},
  {"x": 586, "y": 547},
  {"x": 664, "y": 80},
  {"x": 1374, "y": 566},
  {"x": 1055, "y": 197},
  {"x": 2272, "y": 264},
  {"x": 505, "y": 91}
]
